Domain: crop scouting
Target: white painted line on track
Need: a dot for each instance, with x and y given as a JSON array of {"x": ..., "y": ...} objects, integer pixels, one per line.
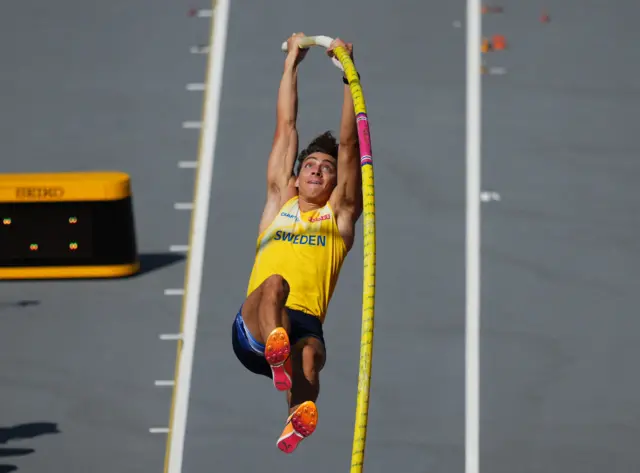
[
  {"x": 171, "y": 336},
  {"x": 199, "y": 49},
  {"x": 193, "y": 125},
  {"x": 200, "y": 216},
  {"x": 187, "y": 164},
  {"x": 204, "y": 13},
  {"x": 159, "y": 430},
  {"x": 183, "y": 206},
  {"x": 473, "y": 205},
  {"x": 489, "y": 196},
  {"x": 174, "y": 292},
  {"x": 179, "y": 248},
  {"x": 195, "y": 87},
  {"x": 163, "y": 383}
]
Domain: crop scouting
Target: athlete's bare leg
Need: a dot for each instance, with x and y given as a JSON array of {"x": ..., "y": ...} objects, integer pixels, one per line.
[
  {"x": 308, "y": 359},
  {"x": 266, "y": 318},
  {"x": 264, "y": 310},
  {"x": 308, "y": 356}
]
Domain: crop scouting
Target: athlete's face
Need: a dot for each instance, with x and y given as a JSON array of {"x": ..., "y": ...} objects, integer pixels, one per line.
[{"x": 317, "y": 177}]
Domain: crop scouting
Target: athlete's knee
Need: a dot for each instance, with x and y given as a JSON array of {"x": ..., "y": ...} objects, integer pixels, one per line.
[
  {"x": 313, "y": 356},
  {"x": 276, "y": 287}
]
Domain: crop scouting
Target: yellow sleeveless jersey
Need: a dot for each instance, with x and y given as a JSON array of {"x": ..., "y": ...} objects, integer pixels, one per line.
[{"x": 307, "y": 250}]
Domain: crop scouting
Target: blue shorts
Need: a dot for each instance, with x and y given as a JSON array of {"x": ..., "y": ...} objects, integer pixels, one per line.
[{"x": 251, "y": 353}]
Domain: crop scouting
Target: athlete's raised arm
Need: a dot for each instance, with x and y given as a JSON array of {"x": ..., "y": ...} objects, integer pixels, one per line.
[
  {"x": 346, "y": 199},
  {"x": 285, "y": 141}
]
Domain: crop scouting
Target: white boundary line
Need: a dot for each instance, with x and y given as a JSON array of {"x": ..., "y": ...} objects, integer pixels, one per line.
[
  {"x": 174, "y": 292},
  {"x": 163, "y": 382},
  {"x": 159, "y": 430},
  {"x": 204, "y": 13},
  {"x": 187, "y": 164},
  {"x": 171, "y": 336},
  {"x": 199, "y": 49},
  {"x": 195, "y": 87},
  {"x": 198, "y": 234},
  {"x": 473, "y": 160},
  {"x": 179, "y": 248}
]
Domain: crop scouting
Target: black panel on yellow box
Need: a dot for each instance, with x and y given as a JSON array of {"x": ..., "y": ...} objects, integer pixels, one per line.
[{"x": 67, "y": 225}]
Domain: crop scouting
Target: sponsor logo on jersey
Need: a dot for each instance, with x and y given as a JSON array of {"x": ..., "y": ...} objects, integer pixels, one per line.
[{"x": 320, "y": 218}]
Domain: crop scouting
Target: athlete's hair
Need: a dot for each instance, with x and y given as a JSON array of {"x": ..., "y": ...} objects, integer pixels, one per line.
[{"x": 324, "y": 143}]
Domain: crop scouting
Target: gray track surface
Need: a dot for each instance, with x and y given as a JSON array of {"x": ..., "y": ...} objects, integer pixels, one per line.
[
  {"x": 559, "y": 330},
  {"x": 560, "y": 253},
  {"x": 416, "y": 101},
  {"x": 559, "y": 250},
  {"x": 86, "y": 87}
]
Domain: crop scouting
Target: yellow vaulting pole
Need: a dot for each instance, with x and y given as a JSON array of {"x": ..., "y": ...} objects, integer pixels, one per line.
[
  {"x": 369, "y": 235},
  {"x": 369, "y": 270}
]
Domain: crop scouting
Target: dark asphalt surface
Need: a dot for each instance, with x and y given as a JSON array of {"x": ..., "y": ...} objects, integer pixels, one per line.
[
  {"x": 416, "y": 107},
  {"x": 103, "y": 88},
  {"x": 93, "y": 87},
  {"x": 560, "y": 253}
]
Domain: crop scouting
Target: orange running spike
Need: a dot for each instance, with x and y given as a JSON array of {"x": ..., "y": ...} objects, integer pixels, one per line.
[
  {"x": 300, "y": 425},
  {"x": 276, "y": 352}
]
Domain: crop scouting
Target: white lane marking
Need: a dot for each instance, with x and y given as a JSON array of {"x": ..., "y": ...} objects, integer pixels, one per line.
[
  {"x": 204, "y": 49},
  {"x": 204, "y": 13},
  {"x": 163, "y": 383},
  {"x": 171, "y": 336},
  {"x": 200, "y": 216},
  {"x": 179, "y": 248},
  {"x": 174, "y": 292},
  {"x": 193, "y": 125},
  {"x": 159, "y": 430},
  {"x": 473, "y": 175},
  {"x": 195, "y": 87},
  {"x": 489, "y": 196},
  {"x": 183, "y": 206},
  {"x": 187, "y": 164}
]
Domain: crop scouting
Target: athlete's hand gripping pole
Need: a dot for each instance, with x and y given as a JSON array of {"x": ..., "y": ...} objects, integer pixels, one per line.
[
  {"x": 343, "y": 61},
  {"x": 319, "y": 40}
]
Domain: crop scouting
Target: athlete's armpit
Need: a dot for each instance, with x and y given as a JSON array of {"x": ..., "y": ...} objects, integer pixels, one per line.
[
  {"x": 274, "y": 201},
  {"x": 346, "y": 222}
]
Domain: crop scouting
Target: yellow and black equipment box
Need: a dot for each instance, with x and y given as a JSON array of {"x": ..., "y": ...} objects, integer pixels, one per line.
[{"x": 67, "y": 225}]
